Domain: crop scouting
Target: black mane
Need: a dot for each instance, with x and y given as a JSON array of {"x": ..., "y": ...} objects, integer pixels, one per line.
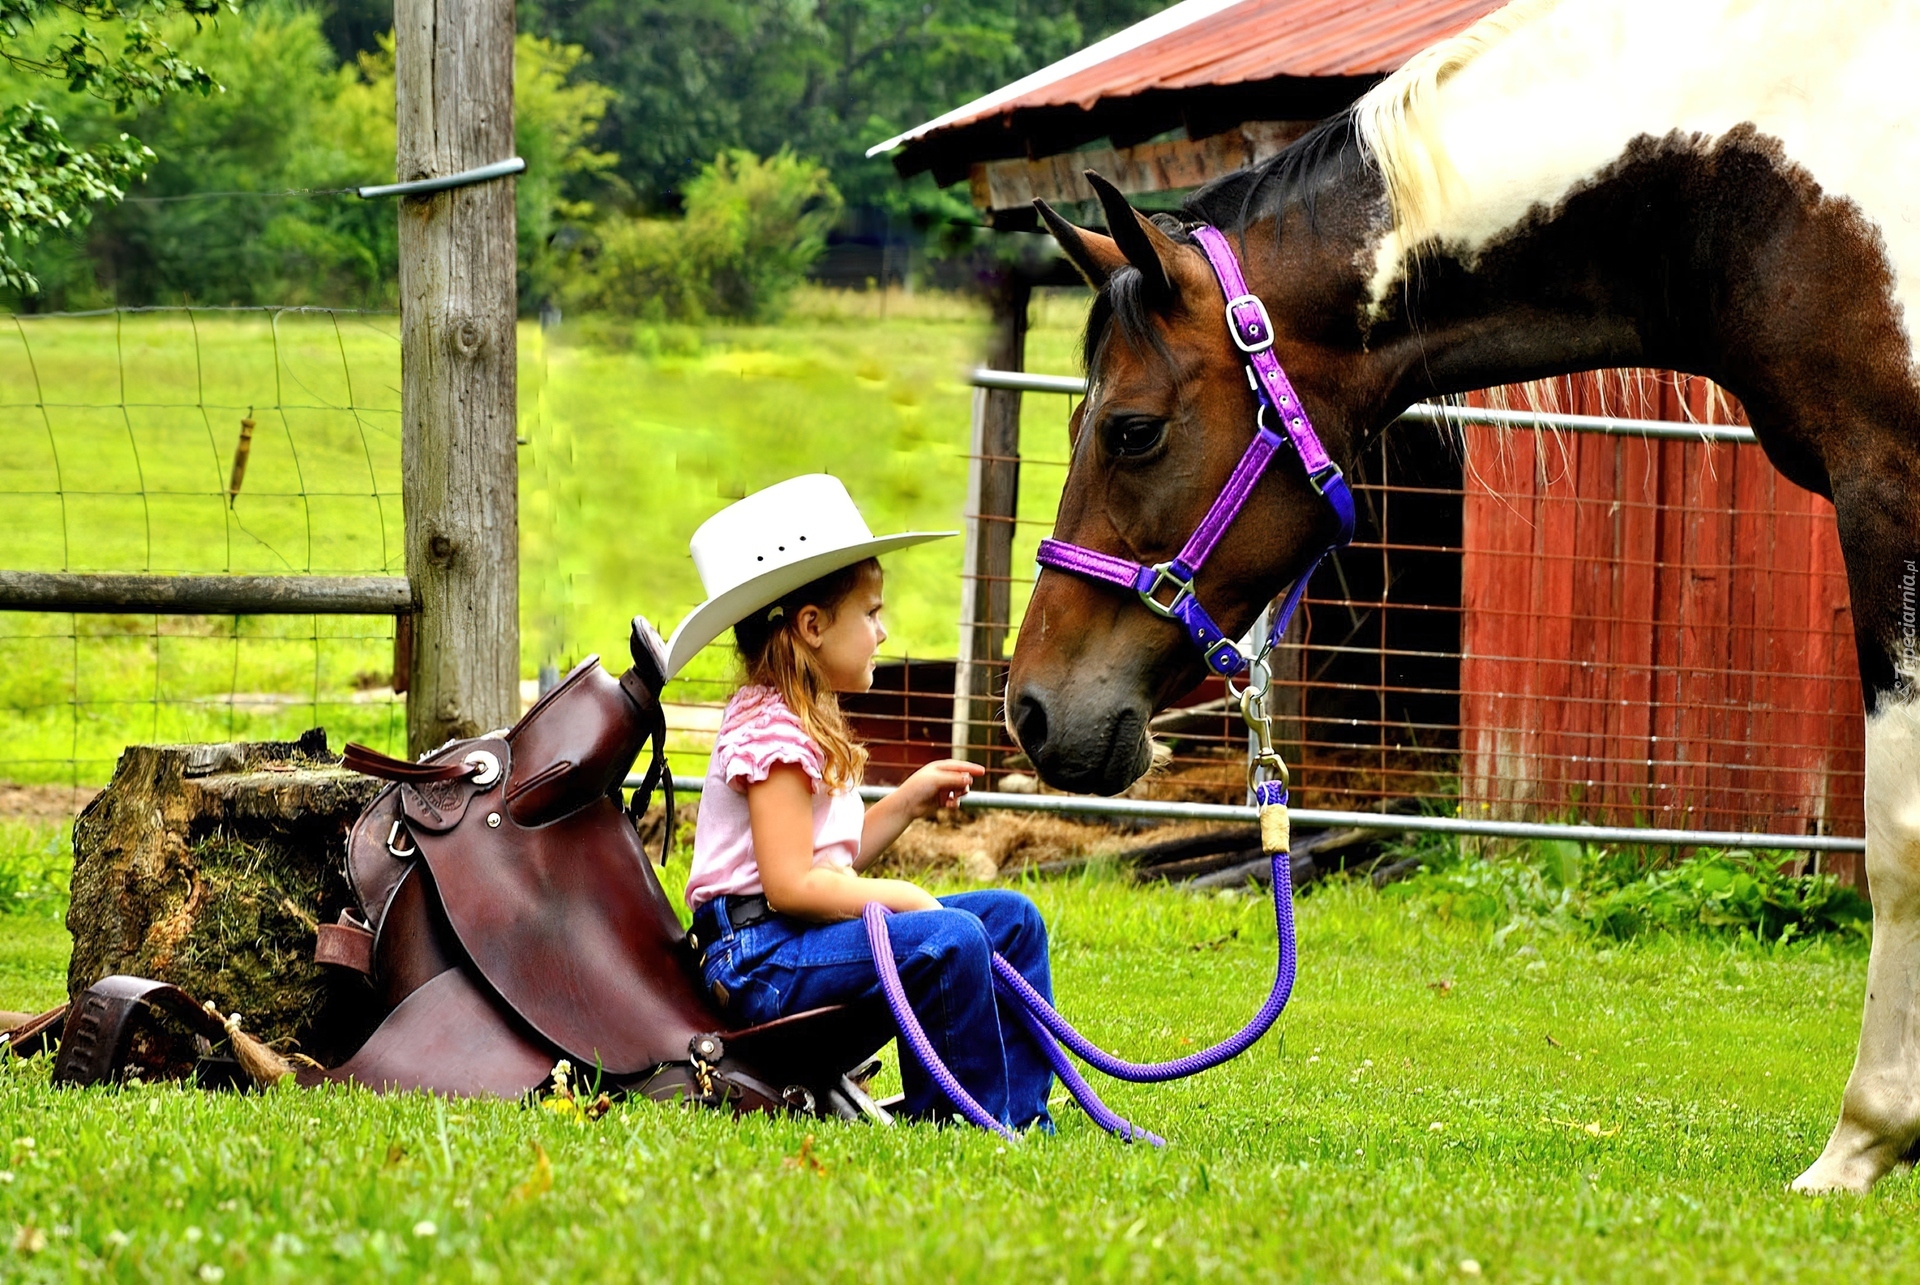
[{"x": 1296, "y": 173}]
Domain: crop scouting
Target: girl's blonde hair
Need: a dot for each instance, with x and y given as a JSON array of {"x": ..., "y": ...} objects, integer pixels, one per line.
[{"x": 773, "y": 655}]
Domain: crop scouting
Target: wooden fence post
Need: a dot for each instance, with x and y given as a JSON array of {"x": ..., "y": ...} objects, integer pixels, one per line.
[
  {"x": 454, "y": 84},
  {"x": 993, "y": 490}
]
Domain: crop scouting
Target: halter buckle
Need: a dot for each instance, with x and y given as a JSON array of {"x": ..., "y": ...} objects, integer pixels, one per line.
[
  {"x": 1224, "y": 658},
  {"x": 1164, "y": 573},
  {"x": 1248, "y": 323},
  {"x": 1323, "y": 478}
]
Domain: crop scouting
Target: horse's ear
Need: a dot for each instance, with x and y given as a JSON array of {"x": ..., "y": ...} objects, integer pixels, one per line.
[
  {"x": 1096, "y": 256},
  {"x": 1146, "y": 246}
]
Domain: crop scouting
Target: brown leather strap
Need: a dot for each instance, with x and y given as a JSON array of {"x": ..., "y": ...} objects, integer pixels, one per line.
[
  {"x": 653, "y": 717},
  {"x": 371, "y": 762},
  {"x": 642, "y": 798},
  {"x": 93, "y": 1048},
  {"x": 346, "y": 944},
  {"x": 37, "y": 1034}
]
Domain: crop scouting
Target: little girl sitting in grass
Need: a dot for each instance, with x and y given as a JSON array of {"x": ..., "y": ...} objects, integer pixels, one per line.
[{"x": 776, "y": 885}]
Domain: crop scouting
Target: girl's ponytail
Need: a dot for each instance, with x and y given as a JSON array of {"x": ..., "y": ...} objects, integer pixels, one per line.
[{"x": 774, "y": 656}]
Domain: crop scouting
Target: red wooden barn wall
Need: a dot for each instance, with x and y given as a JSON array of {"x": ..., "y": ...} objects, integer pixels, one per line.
[{"x": 1653, "y": 632}]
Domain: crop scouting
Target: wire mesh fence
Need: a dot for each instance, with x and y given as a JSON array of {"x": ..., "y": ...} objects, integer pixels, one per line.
[
  {"x": 1618, "y": 630},
  {"x": 1655, "y": 632},
  {"x": 195, "y": 440},
  {"x": 1527, "y": 625}
]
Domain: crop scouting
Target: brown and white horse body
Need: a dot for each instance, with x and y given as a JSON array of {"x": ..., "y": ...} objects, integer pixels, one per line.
[{"x": 1725, "y": 187}]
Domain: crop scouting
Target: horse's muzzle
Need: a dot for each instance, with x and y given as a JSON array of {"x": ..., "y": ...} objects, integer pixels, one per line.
[{"x": 1088, "y": 746}]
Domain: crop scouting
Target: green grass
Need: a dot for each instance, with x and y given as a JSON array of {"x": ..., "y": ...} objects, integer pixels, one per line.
[
  {"x": 120, "y": 459},
  {"x": 640, "y": 433},
  {"x": 125, "y": 434},
  {"x": 1620, "y": 893},
  {"x": 36, "y": 862},
  {"x": 1551, "y": 1109}
]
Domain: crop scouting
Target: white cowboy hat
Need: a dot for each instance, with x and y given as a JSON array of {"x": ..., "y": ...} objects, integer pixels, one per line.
[{"x": 757, "y": 550}]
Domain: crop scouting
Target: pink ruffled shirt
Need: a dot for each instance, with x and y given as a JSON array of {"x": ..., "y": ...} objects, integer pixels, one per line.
[{"x": 756, "y": 732}]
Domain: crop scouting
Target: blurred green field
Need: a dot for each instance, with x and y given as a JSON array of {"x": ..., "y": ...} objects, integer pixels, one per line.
[{"x": 123, "y": 427}]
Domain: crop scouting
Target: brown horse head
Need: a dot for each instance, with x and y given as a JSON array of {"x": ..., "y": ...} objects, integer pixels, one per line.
[{"x": 1169, "y": 412}]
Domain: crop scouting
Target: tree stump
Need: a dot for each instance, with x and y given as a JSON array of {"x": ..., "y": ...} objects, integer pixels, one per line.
[{"x": 211, "y": 867}]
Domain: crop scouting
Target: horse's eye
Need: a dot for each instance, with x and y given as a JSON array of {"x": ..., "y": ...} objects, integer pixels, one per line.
[{"x": 1135, "y": 435}]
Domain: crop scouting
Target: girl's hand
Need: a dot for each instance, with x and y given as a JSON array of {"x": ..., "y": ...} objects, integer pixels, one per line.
[{"x": 938, "y": 785}]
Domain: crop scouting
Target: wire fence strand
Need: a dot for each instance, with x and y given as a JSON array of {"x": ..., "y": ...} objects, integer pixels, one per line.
[
  {"x": 1527, "y": 625},
  {"x": 131, "y": 468},
  {"x": 1518, "y": 631}
]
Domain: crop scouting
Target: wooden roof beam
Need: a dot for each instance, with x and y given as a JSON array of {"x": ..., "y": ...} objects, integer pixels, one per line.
[{"x": 1172, "y": 165}]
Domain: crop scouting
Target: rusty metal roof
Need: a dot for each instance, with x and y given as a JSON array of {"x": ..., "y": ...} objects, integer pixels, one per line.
[{"x": 1202, "y": 65}]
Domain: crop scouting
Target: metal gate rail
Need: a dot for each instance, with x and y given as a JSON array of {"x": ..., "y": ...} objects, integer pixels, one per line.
[
  {"x": 1148, "y": 809},
  {"x": 1433, "y": 413},
  {"x": 1441, "y": 415}
]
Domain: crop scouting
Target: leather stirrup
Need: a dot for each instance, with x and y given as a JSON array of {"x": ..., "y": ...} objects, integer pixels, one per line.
[{"x": 93, "y": 1047}]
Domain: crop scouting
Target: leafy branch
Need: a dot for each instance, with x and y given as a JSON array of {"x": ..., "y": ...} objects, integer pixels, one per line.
[{"x": 48, "y": 182}]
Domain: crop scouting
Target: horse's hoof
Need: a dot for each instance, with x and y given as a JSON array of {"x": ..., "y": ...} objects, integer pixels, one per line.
[{"x": 1851, "y": 1175}]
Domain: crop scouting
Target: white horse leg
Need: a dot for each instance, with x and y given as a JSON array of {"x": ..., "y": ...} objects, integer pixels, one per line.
[{"x": 1880, "y": 1113}]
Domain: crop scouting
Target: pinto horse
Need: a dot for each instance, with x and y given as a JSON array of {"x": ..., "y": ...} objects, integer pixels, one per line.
[{"x": 1729, "y": 188}]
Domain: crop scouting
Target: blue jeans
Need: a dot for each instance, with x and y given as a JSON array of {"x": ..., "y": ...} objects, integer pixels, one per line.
[{"x": 782, "y": 966}]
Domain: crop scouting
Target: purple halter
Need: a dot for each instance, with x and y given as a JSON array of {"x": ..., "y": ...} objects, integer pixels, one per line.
[{"x": 1252, "y": 333}]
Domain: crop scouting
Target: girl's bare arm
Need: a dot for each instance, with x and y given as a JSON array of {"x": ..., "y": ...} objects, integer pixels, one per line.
[{"x": 780, "y": 811}]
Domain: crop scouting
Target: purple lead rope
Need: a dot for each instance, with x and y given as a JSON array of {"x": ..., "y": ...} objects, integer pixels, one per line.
[
  {"x": 1194, "y": 1063},
  {"x": 1082, "y": 1092},
  {"x": 1046, "y": 1025},
  {"x": 874, "y": 916},
  {"x": 1252, "y": 333}
]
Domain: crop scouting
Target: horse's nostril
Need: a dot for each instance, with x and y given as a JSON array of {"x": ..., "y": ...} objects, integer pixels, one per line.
[{"x": 1030, "y": 722}]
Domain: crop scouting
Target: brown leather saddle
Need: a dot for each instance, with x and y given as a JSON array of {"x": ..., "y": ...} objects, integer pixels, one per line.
[{"x": 509, "y": 917}]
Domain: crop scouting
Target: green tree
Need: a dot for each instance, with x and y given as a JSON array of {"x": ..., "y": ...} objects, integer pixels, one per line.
[
  {"x": 280, "y": 124},
  {"x": 291, "y": 119},
  {"x": 117, "y": 51},
  {"x": 771, "y": 217},
  {"x": 557, "y": 112},
  {"x": 752, "y": 229},
  {"x": 825, "y": 78}
]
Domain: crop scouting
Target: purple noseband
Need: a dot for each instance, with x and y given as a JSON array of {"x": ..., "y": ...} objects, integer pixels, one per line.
[{"x": 1252, "y": 333}]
